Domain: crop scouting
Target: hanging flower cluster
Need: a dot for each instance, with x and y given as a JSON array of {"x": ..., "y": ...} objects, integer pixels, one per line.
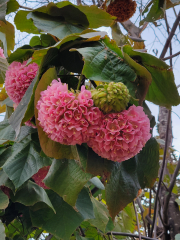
[
  {"x": 66, "y": 117},
  {"x": 18, "y": 78},
  {"x": 121, "y": 135},
  {"x": 40, "y": 175},
  {"x": 2, "y": 53}
]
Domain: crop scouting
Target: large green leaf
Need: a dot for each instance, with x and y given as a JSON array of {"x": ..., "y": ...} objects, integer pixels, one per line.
[
  {"x": 162, "y": 90},
  {"x": 84, "y": 205},
  {"x": 148, "y": 163},
  {"x": 5, "y": 181},
  {"x": 3, "y": 7},
  {"x": 24, "y": 161},
  {"x": 3, "y": 69},
  {"x": 17, "y": 117},
  {"x": 101, "y": 215},
  {"x": 63, "y": 223},
  {"x": 21, "y": 54},
  {"x": 122, "y": 186},
  {"x": 49, "y": 147},
  {"x": 23, "y": 24},
  {"x": 4, "y": 200},
  {"x": 30, "y": 194},
  {"x": 103, "y": 64},
  {"x": 67, "y": 179},
  {"x": 55, "y": 26},
  {"x": 7, "y": 36}
]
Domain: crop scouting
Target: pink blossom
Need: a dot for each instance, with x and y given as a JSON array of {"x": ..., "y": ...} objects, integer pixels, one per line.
[
  {"x": 2, "y": 53},
  {"x": 40, "y": 175},
  {"x": 66, "y": 117},
  {"x": 121, "y": 135},
  {"x": 18, "y": 78}
]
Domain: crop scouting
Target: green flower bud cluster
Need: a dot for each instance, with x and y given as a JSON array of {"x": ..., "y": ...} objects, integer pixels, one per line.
[{"x": 112, "y": 97}]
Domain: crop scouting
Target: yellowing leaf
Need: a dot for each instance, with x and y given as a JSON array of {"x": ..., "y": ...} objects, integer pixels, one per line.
[
  {"x": 2, "y": 108},
  {"x": 3, "y": 94}
]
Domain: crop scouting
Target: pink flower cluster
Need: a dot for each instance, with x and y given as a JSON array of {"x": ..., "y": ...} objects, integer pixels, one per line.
[
  {"x": 2, "y": 53},
  {"x": 121, "y": 135},
  {"x": 66, "y": 117},
  {"x": 40, "y": 175},
  {"x": 18, "y": 78}
]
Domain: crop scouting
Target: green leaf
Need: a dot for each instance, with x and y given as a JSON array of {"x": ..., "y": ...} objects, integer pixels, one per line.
[
  {"x": 3, "y": 7},
  {"x": 117, "y": 35},
  {"x": 148, "y": 113},
  {"x": 67, "y": 179},
  {"x": 63, "y": 223},
  {"x": 24, "y": 161},
  {"x": 2, "y": 231},
  {"x": 162, "y": 90},
  {"x": 156, "y": 12},
  {"x": 177, "y": 236},
  {"x": 101, "y": 215},
  {"x": 97, "y": 182},
  {"x": 148, "y": 163},
  {"x": 4, "y": 200},
  {"x": 49, "y": 147},
  {"x": 21, "y": 54},
  {"x": 30, "y": 194},
  {"x": 19, "y": 114},
  {"x": 12, "y": 6},
  {"x": 143, "y": 80},
  {"x": 3, "y": 69},
  {"x": 57, "y": 27},
  {"x": 5, "y": 181},
  {"x": 7, "y": 36},
  {"x": 122, "y": 186},
  {"x": 84, "y": 205},
  {"x": 44, "y": 40},
  {"x": 103, "y": 64},
  {"x": 23, "y": 24}
]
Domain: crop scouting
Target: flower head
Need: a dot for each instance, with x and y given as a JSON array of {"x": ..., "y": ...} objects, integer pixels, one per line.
[
  {"x": 121, "y": 135},
  {"x": 18, "y": 78},
  {"x": 67, "y": 118}
]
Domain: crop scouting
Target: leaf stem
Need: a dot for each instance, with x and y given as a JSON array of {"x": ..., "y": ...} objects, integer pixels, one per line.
[{"x": 79, "y": 83}]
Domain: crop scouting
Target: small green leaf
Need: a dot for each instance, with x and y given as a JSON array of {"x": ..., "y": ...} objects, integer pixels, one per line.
[
  {"x": 12, "y": 6},
  {"x": 84, "y": 205},
  {"x": 67, "y": 179},
  {"x": 44, "y": 40},
  {"x": 49, "y": 147},
  {"x": 177, "y": 236},
  {"x": 4, "y": 200},
  {"x": 63, "y": 223},
  {"x": 97, "y": 182},
  {"x": 23, "y": 24},
  {"x": 101, "y": 215},
  {"x": 30, "y": 194},
  {"x": 2, "y": 231},
  {"x": 21, "y": 54},
  {"x": 3, "y": 68}
]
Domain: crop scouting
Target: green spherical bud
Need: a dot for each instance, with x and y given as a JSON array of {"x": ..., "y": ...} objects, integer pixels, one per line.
[{"x": 112, "y": 97}]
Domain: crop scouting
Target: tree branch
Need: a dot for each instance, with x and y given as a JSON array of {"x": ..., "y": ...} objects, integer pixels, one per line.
[
  {"x": 170, "y": 36},
  {"x": 137, "y": 220},
  {"x": 171, "y": 56},
  {"x": 25, "y": 7},
  {"x": 129, "y": 235},
  {"x": 162, "y": 171}
]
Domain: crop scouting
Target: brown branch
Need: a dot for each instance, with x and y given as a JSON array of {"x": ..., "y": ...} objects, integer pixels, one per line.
[
  {"x": 142, "y": 211},
  {"x": 49, "y": 237},
  {"x": 162, "y": 171},
  {"x": 170, "y": 36},
  {"x": 26, "y": 7},
  {"x": 129, "y": 235},
  {"x": 137, "y": 220},
  {"x": 167, "y": 199},
  {"x": 170, "y": 45},
  {"x": 171, "y": 56}
]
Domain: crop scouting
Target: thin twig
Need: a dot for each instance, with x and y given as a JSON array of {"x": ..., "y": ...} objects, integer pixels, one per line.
[
  {"x": 129, "y": 235},
  {"x": 170, "y": 36},
  {"x": 49, "y": 237},
  {"x": 162, "y": 171},
  {"x": 137, "y": 220},
  {"x": 26, "y": 7},
  {"x": 170, "y": 45},
  {"x": 171, "y": 56},
  {"x": 142, "y": 211}
]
